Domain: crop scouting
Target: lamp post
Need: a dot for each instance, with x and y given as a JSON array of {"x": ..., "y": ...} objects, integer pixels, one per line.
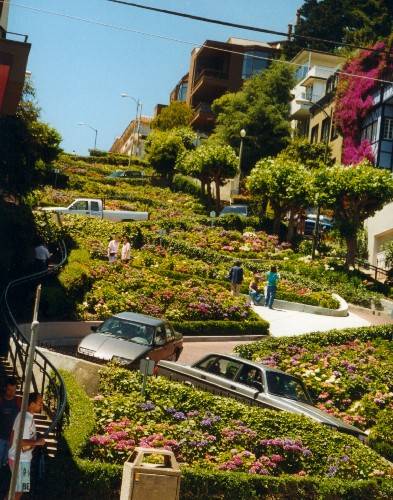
[
  {"x": 242, "y": 136},
  {"x": 136, "y": 127},
  {"x": 316, "y": 229},
  {"x": 82, "y": 124}
]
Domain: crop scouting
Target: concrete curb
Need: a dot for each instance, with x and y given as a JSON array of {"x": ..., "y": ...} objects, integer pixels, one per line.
[
  {"x": 342, "y": 310},
  {"x": 225, "y": 338}
]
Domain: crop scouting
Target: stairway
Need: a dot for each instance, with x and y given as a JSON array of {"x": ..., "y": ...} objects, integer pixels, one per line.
[{"x": 42, "y": 421}]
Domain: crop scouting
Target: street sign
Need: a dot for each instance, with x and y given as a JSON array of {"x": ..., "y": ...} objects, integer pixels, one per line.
[
  {"x": 146, "y": 367},
  {"x": 162, "y": 232},
  {"x": 212, "y": 214}
]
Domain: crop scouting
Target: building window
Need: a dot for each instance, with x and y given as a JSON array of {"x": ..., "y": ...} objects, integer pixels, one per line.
[
  {"x": 301, "y": 72},
  {"x": 254, "y": 62},
  {"x": 314, "y": 134},
  {"x": 388, "y": 129},
  {"x": 182, "y": 92},
  {"x": 369, "y": 133},
  {"x": 325, "y": 130}
]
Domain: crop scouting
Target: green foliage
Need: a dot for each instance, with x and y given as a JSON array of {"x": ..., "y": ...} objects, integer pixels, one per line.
[
  {"x": 164, "y": 147},
  {"x": 352, "y": 21},
  {"x": 354, "y": 194},
  {"x": 262, "y": 109},
  {"x": 311, "y": 155},
  {"x": 177, "y": 114},
  {"x": 217, "y": 328},
  {"x": 388, "y": 249},
  {"x": 186, "y": 185},
  {"x": 284, "y": 183}
]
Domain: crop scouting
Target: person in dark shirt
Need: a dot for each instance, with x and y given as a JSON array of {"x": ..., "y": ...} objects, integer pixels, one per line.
[
  {"x": 9, "y": 408},
  {"x": 235, "y": 276}
]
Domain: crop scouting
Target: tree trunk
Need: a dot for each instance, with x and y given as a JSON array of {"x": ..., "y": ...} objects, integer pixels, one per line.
[
  {"x": 203, "y": 187},
  {"x": 277, "y": 223},
  {"x": 209, "y": 190},
  {"x": 351, "y": 242},
  {"x": 218, "y": 201},
  {"x": 291, "y": 227}
]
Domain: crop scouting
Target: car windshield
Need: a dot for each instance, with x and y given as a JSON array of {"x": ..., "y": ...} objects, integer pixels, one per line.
[
  {"x": 234, "y": 210},
  {"x": 281, "y": 384},
  {"x": 117, "y": 173},
  {"x": 127, "y": 330}
]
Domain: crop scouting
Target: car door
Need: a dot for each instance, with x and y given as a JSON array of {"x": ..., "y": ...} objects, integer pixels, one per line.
[
  {"x": 80, "y": 207},
  {"x": 249, "y": 384},
  {"x": 218, "y": 374},
  {"x": 162, "y": 348},
  {"x": 95, "y": 209}
]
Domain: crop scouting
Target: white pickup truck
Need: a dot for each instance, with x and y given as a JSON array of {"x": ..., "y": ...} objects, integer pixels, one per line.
[{"x": 94, "y": 208}]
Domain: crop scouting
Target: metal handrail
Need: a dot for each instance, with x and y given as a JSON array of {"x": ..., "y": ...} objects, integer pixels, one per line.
[
  {"x": 50, "y": 377},
  {"x": 377, "y": 270}
]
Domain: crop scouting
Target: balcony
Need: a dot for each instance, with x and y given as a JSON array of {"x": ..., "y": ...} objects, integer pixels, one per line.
[
  {"x": 209, "y": 84},
  {"x": 301, "y": 104},
  {"x": 317, "y": 73},
  {"x": 203, "y": 117}
]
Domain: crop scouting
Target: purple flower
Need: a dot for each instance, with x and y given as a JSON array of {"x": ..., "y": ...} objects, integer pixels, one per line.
[
  {"x": 179, "y": 415},
  {"x": 332, "y": 471},
  {"x": 148, "y": 406},
  {"x": 206, "y": 422},
  {"x": 344, "y": 458}
]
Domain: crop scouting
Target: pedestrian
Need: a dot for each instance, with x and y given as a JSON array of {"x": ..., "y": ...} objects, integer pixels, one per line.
[
  {"x": 29, "y": 442},
  {"x": 272, "y": 280},
  {"x": 235, "y": 276},
  {"x": 42, "y": 255},
  {"x": 254, "y": 290},
  {"x": 126, "y": 250},
  {"x": 113, "y": 248},
  {"x": 9, "y": 408}
]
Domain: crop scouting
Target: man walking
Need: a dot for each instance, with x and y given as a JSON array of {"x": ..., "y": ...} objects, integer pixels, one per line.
[
  {"x": 29, "y": 442},
  {"x": 235, "y": 276},
  {"x": 272, "y": 280}
]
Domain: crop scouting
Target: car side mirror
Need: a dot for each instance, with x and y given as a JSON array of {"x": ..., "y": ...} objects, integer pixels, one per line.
[{"x": 94, "y": 328}]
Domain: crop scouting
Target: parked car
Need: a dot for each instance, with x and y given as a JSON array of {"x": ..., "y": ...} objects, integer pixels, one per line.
[
  {"x": 254, "y": 384},
  {"x": 125, "y": 174},
  {"x": 94, "y": 208},
  {"x": 235, "y": 210},
  {"x": 325, "y": 224},
  {"x": 128, "y": 337}
]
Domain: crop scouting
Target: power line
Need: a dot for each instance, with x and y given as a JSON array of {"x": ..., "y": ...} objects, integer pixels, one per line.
[
  {"x": 242, "y": 26},
  {"x": 177, "y": 40}
]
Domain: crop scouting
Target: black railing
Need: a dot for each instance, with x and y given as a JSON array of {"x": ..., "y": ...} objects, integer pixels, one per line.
[
  {"x": 377, "y": 271},
  {"x": 46, "y": 379}
]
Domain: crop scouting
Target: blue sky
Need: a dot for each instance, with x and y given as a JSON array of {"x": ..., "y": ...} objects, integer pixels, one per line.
[{"x": 80, "y": 69}]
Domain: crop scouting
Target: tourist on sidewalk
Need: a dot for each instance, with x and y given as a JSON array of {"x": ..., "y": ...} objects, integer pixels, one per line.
[
  {"x": 272, "y": 280},
  {"x": 9, "y": 408},
  {"x": 254, "y": 290},
  {"x": 29, "y": 442},
  {"x": 113, "y": 249},
  {"x": 42, "y": 255},
  {"x": 126, "y": 250},
  {"x": 235, "y": 276}
]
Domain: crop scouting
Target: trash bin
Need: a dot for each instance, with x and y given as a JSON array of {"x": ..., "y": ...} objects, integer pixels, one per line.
[{"x": 152, "y": 481}]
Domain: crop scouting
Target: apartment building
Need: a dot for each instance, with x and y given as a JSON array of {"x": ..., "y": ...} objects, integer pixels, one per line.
[
  {"x": 132, "y": 141},
  {"x": 315, "y": 82},
  {"x": 220, "y": 67},
  {"x": 14, "y": 52}
]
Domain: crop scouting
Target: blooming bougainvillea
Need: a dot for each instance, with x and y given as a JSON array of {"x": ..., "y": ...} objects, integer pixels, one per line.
[{"x": 354, "y": 101}]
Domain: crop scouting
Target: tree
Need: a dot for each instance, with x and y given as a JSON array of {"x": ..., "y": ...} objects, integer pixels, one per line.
[
  {"x": 164, "y": 147},
  {"x": 285, "y": 184},
  {"x": 311, "y": 155},
  {"x": 177, "y": 114},
  {"x": 351, "y": 21},
  {"x": 262, "y": 109},
  {"x": 211, "y": 162},
  {"x": 27, "y": 147},
  {"x": 354, "y": 194}
]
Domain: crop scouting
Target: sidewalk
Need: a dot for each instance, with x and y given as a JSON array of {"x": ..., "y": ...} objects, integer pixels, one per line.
[{"x": 291, "y": 323}]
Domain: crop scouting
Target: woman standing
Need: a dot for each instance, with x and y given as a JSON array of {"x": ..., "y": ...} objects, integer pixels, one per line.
[
  {"x": 272, "y": 280},
  {"x": 126, "y": 250},
  {"x": 113, "y": 249}
]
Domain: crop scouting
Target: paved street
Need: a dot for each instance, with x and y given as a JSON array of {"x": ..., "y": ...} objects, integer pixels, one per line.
[
  {"x": 193, "y": 351},
  {"x": 290, "y": 323}
]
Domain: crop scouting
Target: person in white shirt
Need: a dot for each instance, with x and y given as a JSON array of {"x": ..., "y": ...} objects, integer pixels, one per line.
[
  {"x": 42, "y": 255},
  {"x": 126, "y": 250},
  {"x": 113, "y": 249},
  {"x": 29, "y": 441}
]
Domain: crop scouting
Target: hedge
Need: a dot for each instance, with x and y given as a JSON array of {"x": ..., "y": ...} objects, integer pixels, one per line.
[
  {"x": 69, "y": 476},
  {"x": 196, "y": 328},
  {"x": 331, "y": 337}
]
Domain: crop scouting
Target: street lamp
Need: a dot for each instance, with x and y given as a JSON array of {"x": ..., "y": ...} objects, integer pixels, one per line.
[
  {"x": 138, "y": 117},
  {"x": 242, "y": 136},
  {"x": 316, "y": 230},
  {"x": 82, "y": 124}
]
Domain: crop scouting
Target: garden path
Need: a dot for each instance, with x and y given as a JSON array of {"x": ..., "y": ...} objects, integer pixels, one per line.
[{"x": 291, "y": 323}]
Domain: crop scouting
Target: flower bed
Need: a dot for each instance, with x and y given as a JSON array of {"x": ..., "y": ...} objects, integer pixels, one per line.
[
  {"x": 348, "y": 372},
  {"x": 219, "y": 433},
  {"x": 97, "y": 480}
]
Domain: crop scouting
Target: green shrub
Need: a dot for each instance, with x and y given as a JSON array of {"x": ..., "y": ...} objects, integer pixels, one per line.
[
  {"x": 195, "y": 328},
  {"x": 186, "y": 185},
  {"x": 381, "y": 437}
]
